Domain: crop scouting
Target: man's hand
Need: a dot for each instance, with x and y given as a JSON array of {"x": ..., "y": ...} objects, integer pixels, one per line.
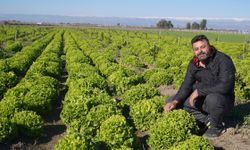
[
  {"x": 193, "y": 97},
  {"x": 170, "y": 106}
]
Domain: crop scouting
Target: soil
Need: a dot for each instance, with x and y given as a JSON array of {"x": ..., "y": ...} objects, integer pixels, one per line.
[
  {"x": 235, "y": 138},
  {"x": 167, "y": 90}
]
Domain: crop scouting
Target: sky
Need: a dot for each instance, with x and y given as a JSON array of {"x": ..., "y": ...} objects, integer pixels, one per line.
[{"x": 130, "y": 8}]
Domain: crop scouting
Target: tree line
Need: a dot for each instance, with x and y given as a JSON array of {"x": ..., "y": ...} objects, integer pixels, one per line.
[{"x": 163, "y": 23}]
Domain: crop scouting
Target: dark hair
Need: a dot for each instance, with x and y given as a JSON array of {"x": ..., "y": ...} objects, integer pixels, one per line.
[{"x": 199, "y": 38}]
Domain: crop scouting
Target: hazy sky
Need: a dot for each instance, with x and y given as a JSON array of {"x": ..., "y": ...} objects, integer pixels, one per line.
[{"x": 130, "y": 8}]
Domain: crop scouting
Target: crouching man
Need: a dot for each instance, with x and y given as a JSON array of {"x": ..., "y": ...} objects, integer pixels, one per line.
[{"x": 207, "y": 91}]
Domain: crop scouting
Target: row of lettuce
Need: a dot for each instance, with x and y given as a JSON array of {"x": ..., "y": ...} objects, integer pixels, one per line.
[
  {"x": 108, "y": 101},
  {"x": 14, "y": 38},
  {"x": 14, "y": 68},
  {"x": 12, "y": 33},
  {"x": 22, "y": 107}
]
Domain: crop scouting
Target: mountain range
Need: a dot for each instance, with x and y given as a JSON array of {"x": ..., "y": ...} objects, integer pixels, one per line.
[{"x": 239, "y": 24}]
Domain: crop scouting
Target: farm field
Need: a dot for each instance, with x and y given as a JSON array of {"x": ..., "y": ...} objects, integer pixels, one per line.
[{"x": 104, "y": 88}]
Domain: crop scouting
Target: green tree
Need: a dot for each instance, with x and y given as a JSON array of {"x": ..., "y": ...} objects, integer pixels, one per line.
[
  {"x": 165, "y": 24},
  {"x": 195, "y": 25},
  {"x": 203, "y": 24},
  {"x": 188, "y": 25}
]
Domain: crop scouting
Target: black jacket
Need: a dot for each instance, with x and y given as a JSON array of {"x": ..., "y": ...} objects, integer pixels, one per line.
[{"x": 217, "y": 77}]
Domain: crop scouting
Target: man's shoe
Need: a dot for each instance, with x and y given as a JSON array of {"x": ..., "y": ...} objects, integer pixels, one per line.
[
  {"x": 213, "y": 132},
  {"x": 202, "y": 128}
]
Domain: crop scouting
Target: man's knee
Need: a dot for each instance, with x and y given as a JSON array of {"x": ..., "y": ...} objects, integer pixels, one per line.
[
  {"x": 216, "y": 101},
  {"x": 213, "y": 99}
]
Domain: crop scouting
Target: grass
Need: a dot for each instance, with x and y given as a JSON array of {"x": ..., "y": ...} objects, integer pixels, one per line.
[
  {"x": 212, "y": 35},
  {"x": 219, "y": 36}
]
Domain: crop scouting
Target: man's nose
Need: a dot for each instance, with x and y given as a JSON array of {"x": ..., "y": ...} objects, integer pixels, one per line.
[{"x": 199, "y": 50}]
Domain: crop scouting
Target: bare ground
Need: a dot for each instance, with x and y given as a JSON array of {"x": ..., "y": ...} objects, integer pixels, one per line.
[{"x": 233, "y": 139}]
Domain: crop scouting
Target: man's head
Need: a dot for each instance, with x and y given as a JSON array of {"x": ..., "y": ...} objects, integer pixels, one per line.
[{"x": 201, "y": 47}]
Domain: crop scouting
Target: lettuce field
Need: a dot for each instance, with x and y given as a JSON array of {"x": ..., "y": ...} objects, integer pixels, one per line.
[{"x": 106, "y": 83}]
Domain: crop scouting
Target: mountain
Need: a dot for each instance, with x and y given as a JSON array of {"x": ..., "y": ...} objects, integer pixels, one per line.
[{"x": 239, "y": 24}]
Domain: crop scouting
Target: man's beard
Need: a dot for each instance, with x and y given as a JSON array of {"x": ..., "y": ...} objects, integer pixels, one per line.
[{"x": 203, "y": 56}]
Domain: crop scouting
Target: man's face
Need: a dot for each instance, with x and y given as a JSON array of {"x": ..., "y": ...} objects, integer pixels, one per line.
[{"x": 201, "y": 50}]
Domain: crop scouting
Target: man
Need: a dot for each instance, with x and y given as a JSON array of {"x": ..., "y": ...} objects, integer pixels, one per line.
[{"x": 207, "y": 91}]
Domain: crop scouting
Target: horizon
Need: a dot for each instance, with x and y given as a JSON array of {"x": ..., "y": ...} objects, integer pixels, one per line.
[
  {"x": 240, "y": 25},
  {"x": 145, "y": 17}
]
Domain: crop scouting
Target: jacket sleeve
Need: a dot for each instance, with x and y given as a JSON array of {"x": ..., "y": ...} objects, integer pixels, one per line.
[
  {"x": 186, "y": 86},
  {"x": 225, "y": 84}
]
